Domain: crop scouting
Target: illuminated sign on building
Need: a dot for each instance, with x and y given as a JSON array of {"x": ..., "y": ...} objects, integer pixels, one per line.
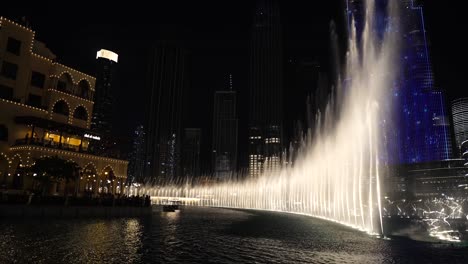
[
  {"x": 107, "y": 54},
  {"x": 92, "y": 137}
]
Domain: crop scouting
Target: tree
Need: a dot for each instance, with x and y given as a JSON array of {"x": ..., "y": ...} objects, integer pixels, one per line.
[{"x": 54, "y": 169}]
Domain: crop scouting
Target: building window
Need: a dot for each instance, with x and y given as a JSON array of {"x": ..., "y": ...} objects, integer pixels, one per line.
[
  {"x": 3, "y": 133},
  {"x": 61, "y": 108},
  {"x": 80, "y": 113},
  {"x": 62, "y": 86},
  {"x": 14, "y": 46},
  {"x": 6, "y": 92},
  {"x": 37, "y": 79},
  {"x": 9, "y": 70},
  {"x": 35, "y": 100}
]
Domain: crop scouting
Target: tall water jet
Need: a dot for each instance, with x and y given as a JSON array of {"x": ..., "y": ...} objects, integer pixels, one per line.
[{"x": 336, "y": 176}]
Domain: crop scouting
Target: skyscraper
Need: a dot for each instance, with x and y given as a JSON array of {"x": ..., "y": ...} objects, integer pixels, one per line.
[
  {"x": 421, "y": 116},
  {"x": 460, "y": 120},
  {"x": 191, "y": 153},
  {"x": 102, "y": 114},
  {"x": 167, "y": 84},
  {"x": 266, "y": 84},
  {"x": 137, "y": 158},
  {"x": 225, "y": 133},
  {"x": 302, "y": 100}
]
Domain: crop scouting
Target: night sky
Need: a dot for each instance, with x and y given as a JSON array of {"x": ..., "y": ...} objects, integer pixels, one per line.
[{"x": 217, "y": 35}]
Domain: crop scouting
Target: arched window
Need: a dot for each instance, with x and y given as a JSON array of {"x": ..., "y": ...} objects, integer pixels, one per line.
[
  {"x": 65, "y": 83},
  {"x": 61, "y": 107},
  {"x": 80, "y": 113},
  {"x": 3, "y": 133},
  {"x": 83, "y": 89}
]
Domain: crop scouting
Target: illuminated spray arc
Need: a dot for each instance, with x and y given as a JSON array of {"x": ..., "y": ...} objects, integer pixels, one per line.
[{"x": 336, "y": 176}]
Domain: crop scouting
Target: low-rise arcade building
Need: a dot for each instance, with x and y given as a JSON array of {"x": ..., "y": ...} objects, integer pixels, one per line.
[{"x": 46, "y": 110}]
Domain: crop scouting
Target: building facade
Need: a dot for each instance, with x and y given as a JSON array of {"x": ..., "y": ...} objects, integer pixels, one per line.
[
  {"x": 439, "y": 178},
  {"x": 167, "y": 85},
  {"x": 266, "y": 86},
  {"x": 224, "y": 135},
  {"x": 45, "y": 110},
  {"x": 460, "y": 121}
]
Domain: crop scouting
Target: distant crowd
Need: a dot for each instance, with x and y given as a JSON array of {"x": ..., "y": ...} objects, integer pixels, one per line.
[{"x": 101, "y": 200}]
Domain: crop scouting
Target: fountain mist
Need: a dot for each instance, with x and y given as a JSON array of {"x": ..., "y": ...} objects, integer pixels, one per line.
[{"x": 336, "y": 176}]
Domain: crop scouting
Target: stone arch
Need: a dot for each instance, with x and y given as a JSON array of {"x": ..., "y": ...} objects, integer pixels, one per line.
[
  {"x": 107, "y": 180},
  {"x": 65, "y": 83},
  {"x": 61, "y": 107},
  {"x": 81, "y": 113},
  {"x": 3, "y": 170},
  {"x": 17, "y": 167},
  {"x": 83, "y": 89},
  {"x": 3, "y": 132},
  {"x": 88, "y": 178}
]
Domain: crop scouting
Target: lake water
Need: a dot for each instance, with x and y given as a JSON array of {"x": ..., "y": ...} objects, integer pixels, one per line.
[{"x": 209, "y": 235}]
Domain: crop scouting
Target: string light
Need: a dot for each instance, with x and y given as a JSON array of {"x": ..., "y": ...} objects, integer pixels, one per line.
[
  {"x": 70, "y": 95},
  {"x": 73, "y": 154},
  {"x": 23, "y": 105},
  {"x": 58, "y": 71}
]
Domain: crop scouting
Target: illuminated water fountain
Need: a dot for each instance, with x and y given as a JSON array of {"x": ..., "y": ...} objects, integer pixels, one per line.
[{"x": 337, "y": 176}]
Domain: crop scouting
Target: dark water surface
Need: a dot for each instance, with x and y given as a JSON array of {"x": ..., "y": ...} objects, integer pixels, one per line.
[{"x": 209, "y": 235}]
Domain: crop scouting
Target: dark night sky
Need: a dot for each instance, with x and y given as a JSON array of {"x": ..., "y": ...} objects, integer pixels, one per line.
[{"x": 217, "y": 35}]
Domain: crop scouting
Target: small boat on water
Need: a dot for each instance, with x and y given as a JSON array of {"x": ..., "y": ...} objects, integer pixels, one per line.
[{"x": 171, "y": 207}]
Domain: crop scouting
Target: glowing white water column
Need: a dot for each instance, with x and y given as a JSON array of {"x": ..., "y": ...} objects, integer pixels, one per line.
[{"x": 337, "y": 175}]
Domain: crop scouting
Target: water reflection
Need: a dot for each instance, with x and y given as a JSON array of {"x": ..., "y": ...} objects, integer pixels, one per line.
[{"x": 198, "y": 235}]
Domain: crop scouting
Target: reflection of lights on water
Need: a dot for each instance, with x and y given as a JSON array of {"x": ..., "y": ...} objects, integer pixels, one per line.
[
  {"x": 171, "y": 215},
  {"x": 133, "y": 226},
  {"x": 451, "y": 236}
]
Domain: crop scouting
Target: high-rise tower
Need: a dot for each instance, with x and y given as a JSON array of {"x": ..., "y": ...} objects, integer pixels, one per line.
[
  {"x": 266, "y": 84},
  {"x": 224, "y": 133},
  {"x": 102, "y": 114},
  {"x": 420, "y": 110},
  {"x": 167, "y": 84},
  {"x": 191, "y": 154},
  {"x": 137, "y": 158}
]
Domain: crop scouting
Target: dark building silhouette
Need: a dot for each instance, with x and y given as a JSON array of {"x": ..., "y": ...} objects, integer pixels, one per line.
[
  {"x": 101, "y": 122},
  {"x": 460, "y": 121},
  {"x": 225, "y": 134},
  {"x": 137, "y": 157},
  {"x": 102, "y": 112},
  {"x": 266, "y": 84},
  {"x": 191, "y": 153},
  {"x": 167, "y": 85}
]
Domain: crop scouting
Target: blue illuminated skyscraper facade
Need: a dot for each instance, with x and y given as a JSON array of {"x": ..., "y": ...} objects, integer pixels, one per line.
[{"x": 421, "y": 123}]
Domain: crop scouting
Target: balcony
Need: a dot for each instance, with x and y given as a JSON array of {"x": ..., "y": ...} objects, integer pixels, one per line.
[{"x": 52, "y": 144}]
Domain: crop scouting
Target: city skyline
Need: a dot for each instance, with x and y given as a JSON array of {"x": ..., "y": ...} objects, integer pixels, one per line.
[
  {"x": 234, "y": 132},
  {"x": 119, "y": 39},
  {"x": 234, "y": 39}
]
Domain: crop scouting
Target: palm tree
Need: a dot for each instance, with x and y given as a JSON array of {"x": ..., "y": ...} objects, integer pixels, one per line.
[{"x": 50, "y": 169}]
